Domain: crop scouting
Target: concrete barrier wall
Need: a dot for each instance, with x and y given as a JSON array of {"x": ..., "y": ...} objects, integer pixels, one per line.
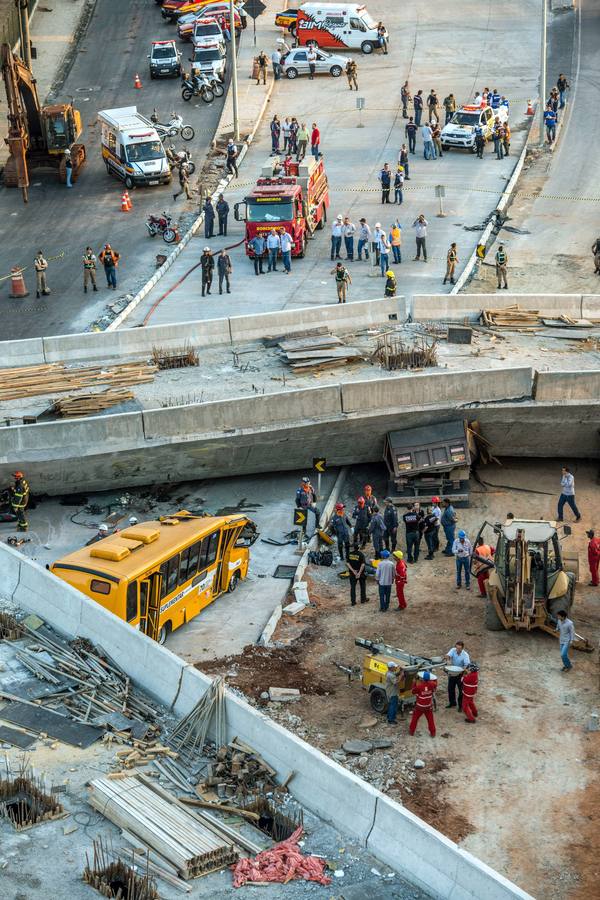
[
  {"x": 456, "y": 307},
  {"x": 29, "y": 352},
  {"x": 590, "y": 306},
  {"x": 80, "y": 438},
  {"x": 419, "y": 390},
  {"x": 420, "y": 853},
  {"x": 568, "y": 386}
]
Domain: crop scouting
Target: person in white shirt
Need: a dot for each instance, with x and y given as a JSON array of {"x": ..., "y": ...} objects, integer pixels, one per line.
[
  {"x": 428, "y": 147},
  {"x": 286, "y": 242},
  {"x": 456, "y": 656},
  {"x": 435, "y": 506},
  {"x": 462, "y": 551},
  {"x": 420, "y": 226},
  {"x": 567, "y": 495},
  {"x": 276, "y": 63},
  {"x": 378, "y": 234},
  {"x": 337, "y": 230},
  {"x": 348, "y": 230},
  {"x": 312, "y": 62},
  {"x": 285, "y": 133},
  {"x": 273, "y": 248},
  {"x": 364, "y": 237}
]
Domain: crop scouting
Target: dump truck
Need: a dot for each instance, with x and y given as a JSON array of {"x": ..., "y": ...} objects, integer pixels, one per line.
[
  {"x": 288, "y": 196},
  {"x": 38, "y": 136},
  {"x": 533, "y": 579},
  {"x": 372, "y": 673}
]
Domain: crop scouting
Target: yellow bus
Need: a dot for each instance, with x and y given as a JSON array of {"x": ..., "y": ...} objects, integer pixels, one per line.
[{"x": 158, "y": 575}]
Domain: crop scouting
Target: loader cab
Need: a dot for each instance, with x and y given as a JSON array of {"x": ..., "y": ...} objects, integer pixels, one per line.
[{"x": 63, "y": 127}]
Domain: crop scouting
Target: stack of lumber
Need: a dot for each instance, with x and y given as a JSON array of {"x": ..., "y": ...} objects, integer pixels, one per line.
[
  {"x": 88, "y": 404},
  {"x": 54, "y": 378},
  {"x": 157, "y": 819},
  {"x": 511, "y": 317},
  {"x": 142, "y": 753},
  {"x": 317, "y": 352}
]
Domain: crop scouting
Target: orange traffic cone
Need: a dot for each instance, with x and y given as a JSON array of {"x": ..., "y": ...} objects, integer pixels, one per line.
[
  {"x": 17, "y": 288},
  {"x": 529, "y": 108},
  {"x": 137, "y": 83},
  {"x": 128, "y": 199},
  {"x": 124, "y": 203}
]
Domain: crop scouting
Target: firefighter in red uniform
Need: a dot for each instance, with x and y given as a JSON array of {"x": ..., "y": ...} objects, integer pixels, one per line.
[
  {"x": 424, "y": 690},
  {"x": 400, "y": 578},
  {"x": 593, "y": 557},
  {"x": 469, "y": 689}
]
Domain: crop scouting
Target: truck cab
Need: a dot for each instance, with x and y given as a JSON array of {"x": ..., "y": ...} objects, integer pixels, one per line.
[
  {"x": 132, "y": 149},
  {"x": 288, "y": 196},
  {"x": 341, "y": 25}
]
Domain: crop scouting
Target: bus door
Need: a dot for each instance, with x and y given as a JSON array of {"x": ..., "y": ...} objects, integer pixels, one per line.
[
  {"x": 229, "y": 535},
  {"x": 150, "y": 605}
]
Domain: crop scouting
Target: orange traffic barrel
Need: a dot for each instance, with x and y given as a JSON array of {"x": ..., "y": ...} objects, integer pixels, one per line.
[{"x": 18, "y": 288}]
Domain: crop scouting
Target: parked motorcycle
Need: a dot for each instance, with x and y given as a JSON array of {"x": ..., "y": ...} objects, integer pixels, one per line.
[
  {"x": 196, "y": 86},
  {"x": 172, "y": 128},
  {"x": 162, "y": 225},
  {"x": 180, "y": 159},
  {"x": 216, "y": 85}
]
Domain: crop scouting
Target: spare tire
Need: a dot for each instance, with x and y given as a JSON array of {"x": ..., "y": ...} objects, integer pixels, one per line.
[{"x": 490, "y": 616}]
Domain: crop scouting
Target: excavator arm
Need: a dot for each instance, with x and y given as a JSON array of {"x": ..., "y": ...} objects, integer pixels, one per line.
[{"x": 25, "y": 123}]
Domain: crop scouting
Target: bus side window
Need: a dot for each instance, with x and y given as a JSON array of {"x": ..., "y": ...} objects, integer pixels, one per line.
[
  {"x": 184, "y": 564},
  {"x": 213, "y": 545},
  {"x": 131, "y": 608},
  {"x": 173, "y": 573},
  {"x": 195, "y": 563},
  {"x": 144, "y": 599},
  {"x": 163, "y": 588}
]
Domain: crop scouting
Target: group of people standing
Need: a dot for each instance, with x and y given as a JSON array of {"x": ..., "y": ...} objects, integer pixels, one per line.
[{"x": 292, "y": 138}]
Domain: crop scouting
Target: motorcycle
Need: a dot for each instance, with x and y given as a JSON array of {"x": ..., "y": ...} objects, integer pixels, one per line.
[
  {"x": 162, "y": 225},
  {"x": 196, "y": 86},
  {"x": 180, "y": 159},
  {"x": 216, "y": 85},
  {"x": 173, "y": 128}
]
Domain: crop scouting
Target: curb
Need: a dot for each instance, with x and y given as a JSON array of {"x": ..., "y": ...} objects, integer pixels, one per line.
[
  {"x": 141, "y": 294},
  {"x": 275, "y": 616}
]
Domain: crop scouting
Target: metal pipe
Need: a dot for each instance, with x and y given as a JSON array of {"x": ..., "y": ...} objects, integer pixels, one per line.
[
  {"x": 543, "y": 70},
  {"x": 23, "y": 7},
  {"x": 234, "y": 85}
]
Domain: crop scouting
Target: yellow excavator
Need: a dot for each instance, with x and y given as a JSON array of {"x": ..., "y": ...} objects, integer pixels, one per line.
[{"x": 39, "y": 137}]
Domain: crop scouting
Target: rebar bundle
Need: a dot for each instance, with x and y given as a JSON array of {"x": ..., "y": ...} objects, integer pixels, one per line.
[
  {"x": 24, "y": 799},
  {"x": 190, "y": 733},
  {"x": 116, "y": 879},
  {"x": 175, "y": 357},
  {"x": 392, "y": 353},
  {"x": 279, "y": 817}
]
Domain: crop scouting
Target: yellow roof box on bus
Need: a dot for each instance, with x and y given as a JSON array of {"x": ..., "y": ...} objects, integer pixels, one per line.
[
  {"x": 144, "y": 533},
  {"x": 115, "y": 550}
]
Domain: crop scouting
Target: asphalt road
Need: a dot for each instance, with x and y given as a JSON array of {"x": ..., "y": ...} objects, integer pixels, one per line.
[{"x": 58, "y": 220}]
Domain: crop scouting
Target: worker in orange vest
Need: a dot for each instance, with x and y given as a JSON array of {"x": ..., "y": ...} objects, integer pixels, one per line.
[
  {"x": 401, "y": 576},
  {"x": 593, "y": 557},
  {"x": 470, "y": 680},
  {"x": 483, "y": 563},
  {"x": 424, "y": 689},
  {"x": 370, "y": 499}
]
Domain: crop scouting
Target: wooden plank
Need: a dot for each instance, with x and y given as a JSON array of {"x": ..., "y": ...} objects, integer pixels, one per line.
[{"x": 331, "y": 353}]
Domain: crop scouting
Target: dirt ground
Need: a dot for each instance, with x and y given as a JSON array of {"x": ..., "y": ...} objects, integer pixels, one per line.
[{"x": 519, "y": 789}]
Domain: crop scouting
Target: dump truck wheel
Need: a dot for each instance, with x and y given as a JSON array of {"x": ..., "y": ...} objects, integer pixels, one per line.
[
  {"x": 492, "y": 622},
  {"x": 378, "y": 700}
]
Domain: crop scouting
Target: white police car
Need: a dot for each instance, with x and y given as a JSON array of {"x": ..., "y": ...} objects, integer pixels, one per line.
[
  {"x": 165, "y": 60},
  {"x": 460, "y": 131},
  {"x": 210, "y": 60}
]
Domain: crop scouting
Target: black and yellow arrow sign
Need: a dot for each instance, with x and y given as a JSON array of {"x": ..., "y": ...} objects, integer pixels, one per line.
[
  {"x": 300, "y": 517},
  {"x": 319, "y": 463},
  {"x": 480, "y": 251}
]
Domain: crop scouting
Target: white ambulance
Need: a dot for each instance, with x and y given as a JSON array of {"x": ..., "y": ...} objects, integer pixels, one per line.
[
  {"x": 132, "y": 149},
  {"x": 337, "y": 25}
]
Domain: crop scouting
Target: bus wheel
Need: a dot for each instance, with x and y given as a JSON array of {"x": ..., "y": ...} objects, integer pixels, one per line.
[
  {"x": 233, "y": 583},
  {"x": 164, "y": 632}
]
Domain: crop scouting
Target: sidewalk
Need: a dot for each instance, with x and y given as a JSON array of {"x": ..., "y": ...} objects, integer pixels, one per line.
[
  {"x": 53, "y": 35},
  {"x": 354, "y": 156}
]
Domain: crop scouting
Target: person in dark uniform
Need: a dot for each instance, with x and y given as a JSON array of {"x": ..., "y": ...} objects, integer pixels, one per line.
[
  {"x": 356, "y": 572},
  {"x": 209, "y": 218},
  {"x": 361, "y": 523},
  {"x": 341, "y": 527},
  {"x": 412, "y": 524},
  {"x": 429, "y": 526},
  {"x": 390, "y": 517},
  {"x": 208, "y": 264},
  {"x": 222, "y": 213},
  {"x": 19, "y": 499},
  {"x": 306, "y": 498},
  {"x": 370, "y": 499}
]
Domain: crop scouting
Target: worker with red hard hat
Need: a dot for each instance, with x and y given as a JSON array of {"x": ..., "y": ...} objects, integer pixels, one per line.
[
  {"x": 370, "y": 499},
  {"x": 361, "y": 523},
  {"x": 400, "y": 578},
  {"x": 19, "y": 500},
  {"x": 424, "y": 689},
  {"x": 470, "y": 681},
  {"x": 341, "y": 527}
]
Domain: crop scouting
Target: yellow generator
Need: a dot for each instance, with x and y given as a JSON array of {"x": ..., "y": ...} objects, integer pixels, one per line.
[{"x": 375, "y": 669}]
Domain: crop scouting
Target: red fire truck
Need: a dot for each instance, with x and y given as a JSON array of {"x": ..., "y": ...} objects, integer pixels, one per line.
[{"x": 288, "y": 196}]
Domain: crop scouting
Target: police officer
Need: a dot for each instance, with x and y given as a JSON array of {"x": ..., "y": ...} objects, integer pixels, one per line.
[
  {"x": 501, "y": 264},
  {"x": 19, "y": 499},
  {"x": 209, "y": 218},
  {"x": 361, "y": 522},
  {"x": 306, "y": 499},
  {"x": 41, "y": 266},
  {"x": 356, "y": 573},
  {"x": 351, "y": 73},
  {"x": 208, "y": 264},
  {"x": 451, "y": 261},
  {"x": 412, "y": 524},
  {"x": 89, "y": 269},
  {"x": 390, "y": 518},
  {"x": 222, "y": 213},
  {"x": 377, "y": 531},
  {"x": 479, "y": 141},
  {"x": 341, "y": 527}
]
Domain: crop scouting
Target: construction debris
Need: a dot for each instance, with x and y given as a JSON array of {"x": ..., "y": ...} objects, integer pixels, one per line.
[
  {"x": 283, "y": 695},
  {"x": 163, "y": 823},
  {"x": 116, "y": 879},
  {"x": 511, "y": 317},
  {"x": 51, "y": 378},
  {"x": 281, "y": 864},
  {"x": 392, "y": 353},
  {"x": 317, "y": 351},
  {"x": 237, "y": 771},
  {"x": 10, "y": 629},
  {"x": 175, "y": 358},
  {"x": 277, "y": 817},
  {"x": 25, "y": 800},
  {"x": 88, "y": 404},
  {"x": 189, "y": 736}
]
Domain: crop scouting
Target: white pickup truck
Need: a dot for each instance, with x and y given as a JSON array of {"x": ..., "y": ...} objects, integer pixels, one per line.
[{"x": 460, "y": 131}]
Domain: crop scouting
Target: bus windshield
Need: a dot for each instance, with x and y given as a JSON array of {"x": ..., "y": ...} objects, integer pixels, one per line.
[
  {"x": 270, "y": 212},
  {"x": 144, "y": 152}
]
